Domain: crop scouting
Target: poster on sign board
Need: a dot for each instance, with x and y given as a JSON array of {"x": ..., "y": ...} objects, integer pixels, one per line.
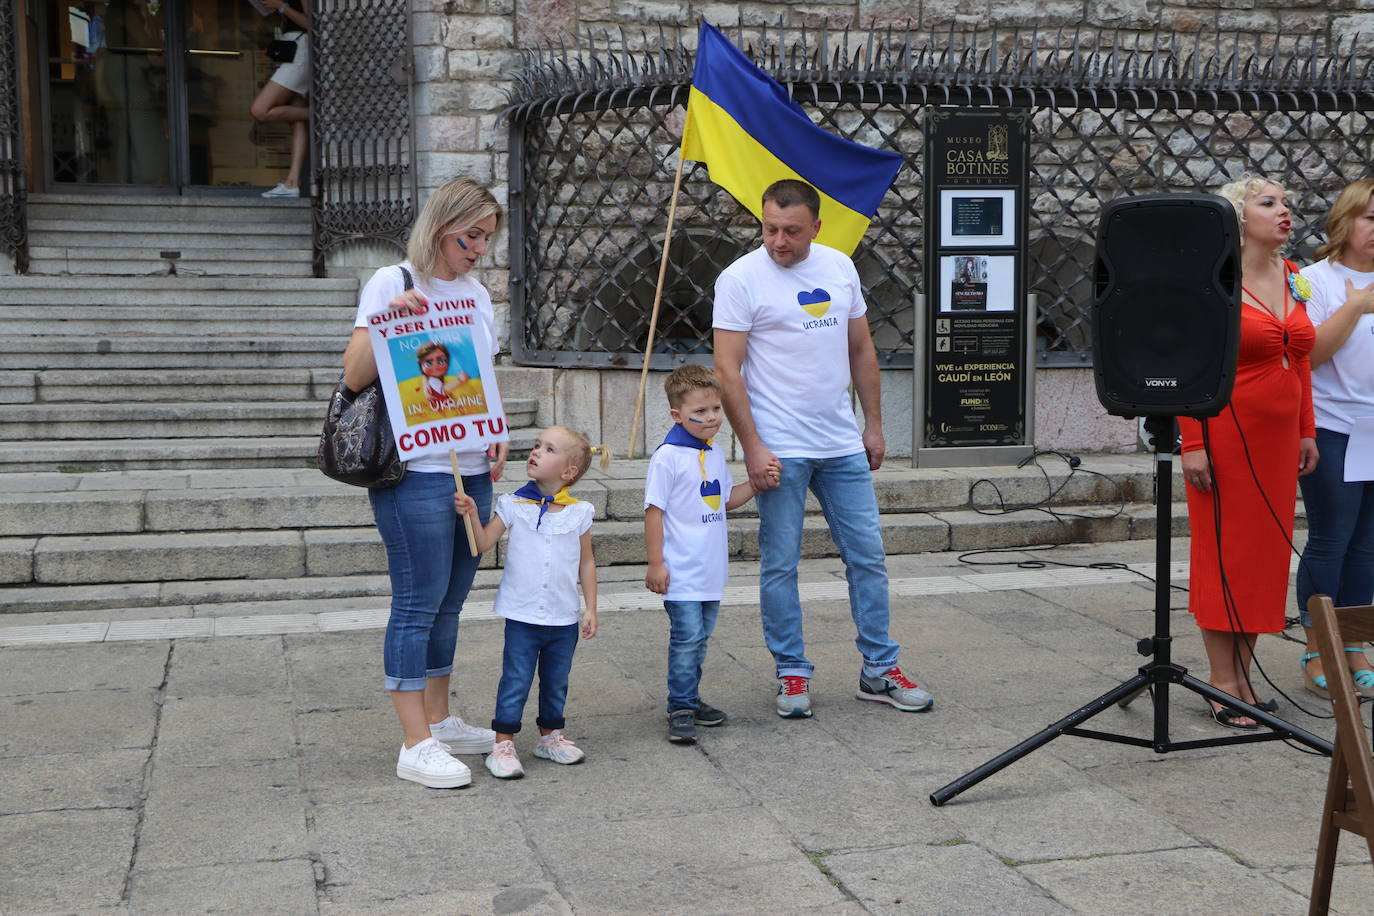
[{"x": 436, "y": 372}]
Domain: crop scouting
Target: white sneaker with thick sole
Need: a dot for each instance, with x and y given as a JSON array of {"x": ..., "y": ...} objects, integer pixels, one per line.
[
  {"x": 559, "y": 749},
  {"x": 281, "y": 190},
  {"x": 430, "y": 765},
  {"x": 463, "y": 738},
  {"x": 503, "y": 763}
]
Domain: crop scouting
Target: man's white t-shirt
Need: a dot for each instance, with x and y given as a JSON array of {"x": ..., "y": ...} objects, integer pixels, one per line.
[
  {"x": 385, "y": 285},
  {"x": 695, "y": 547},
  {"x": 796, "y": 365},
  {"x": 1343, "y": 386}
]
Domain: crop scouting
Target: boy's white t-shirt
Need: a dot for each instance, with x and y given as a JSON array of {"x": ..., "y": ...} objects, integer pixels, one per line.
[
  {"x": 695, "y": 547},
  {"x": 385, "y": 285},
  {"x": 796, "y": 366},
  {"x": 1343, "y": 386},
  {"x": 539, "y": 583}
]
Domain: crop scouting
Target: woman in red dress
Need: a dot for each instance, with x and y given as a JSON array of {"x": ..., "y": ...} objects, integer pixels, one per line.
[{"x": 1242, "y": 466}]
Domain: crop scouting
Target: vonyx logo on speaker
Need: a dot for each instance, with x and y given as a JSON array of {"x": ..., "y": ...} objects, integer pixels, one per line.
[{"x": 1161, "y": 383}]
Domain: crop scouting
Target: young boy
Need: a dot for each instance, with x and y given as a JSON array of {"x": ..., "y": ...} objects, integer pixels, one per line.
[{"x": 686, "y": 496}]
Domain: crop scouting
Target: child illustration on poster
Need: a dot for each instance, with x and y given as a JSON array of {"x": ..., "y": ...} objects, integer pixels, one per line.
[{"x": 438, "y": 376}]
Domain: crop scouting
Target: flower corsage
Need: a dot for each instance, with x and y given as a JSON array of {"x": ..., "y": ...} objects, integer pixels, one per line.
[{"x": 1300, "y": 287}]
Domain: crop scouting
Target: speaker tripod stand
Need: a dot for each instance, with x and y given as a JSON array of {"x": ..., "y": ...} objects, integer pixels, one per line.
[{"x": 1154, "y": 677}]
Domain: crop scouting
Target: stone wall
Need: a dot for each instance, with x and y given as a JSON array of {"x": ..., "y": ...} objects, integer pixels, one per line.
[{"x": 465, "y": 51}]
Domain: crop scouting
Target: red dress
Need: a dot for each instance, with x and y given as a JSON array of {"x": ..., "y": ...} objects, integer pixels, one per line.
[{"x": 1273, "y": 404}]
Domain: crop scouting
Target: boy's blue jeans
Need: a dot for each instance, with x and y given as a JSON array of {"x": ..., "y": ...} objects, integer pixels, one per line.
[
  {"x": 1339, "y": 557},
  {"x": 691, "y": 623},
  {"x": 431, "y": 571},
  {"x": 844, "y": 488},
  {"x": 531, "y": 645}
]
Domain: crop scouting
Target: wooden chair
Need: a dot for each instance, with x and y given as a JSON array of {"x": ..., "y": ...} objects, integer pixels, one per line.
[{"x": 1349, "y": 803}]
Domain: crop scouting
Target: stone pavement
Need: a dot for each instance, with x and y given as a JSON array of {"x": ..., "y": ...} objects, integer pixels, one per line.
[{"x": 254, "y": 773}]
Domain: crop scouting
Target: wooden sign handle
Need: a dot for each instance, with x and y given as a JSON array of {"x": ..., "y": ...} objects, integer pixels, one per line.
[{"x": 467, "y": 519}]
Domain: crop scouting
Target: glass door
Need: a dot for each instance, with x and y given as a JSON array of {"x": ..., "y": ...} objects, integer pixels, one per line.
[
  {"x": 156, "y": 93},
  {"x": 226, "y": 64}
]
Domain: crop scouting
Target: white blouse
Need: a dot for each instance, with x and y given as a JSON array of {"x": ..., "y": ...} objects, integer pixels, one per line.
[{"x": 539, "y": 584}]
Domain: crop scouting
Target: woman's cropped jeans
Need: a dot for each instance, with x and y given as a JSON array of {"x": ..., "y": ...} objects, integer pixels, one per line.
[{"x": 431, "y": 571}]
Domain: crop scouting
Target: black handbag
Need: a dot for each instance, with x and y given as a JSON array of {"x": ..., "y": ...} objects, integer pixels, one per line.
[
  {"x": 356, "y": 446},
  {"x": 282, "y": 50}
]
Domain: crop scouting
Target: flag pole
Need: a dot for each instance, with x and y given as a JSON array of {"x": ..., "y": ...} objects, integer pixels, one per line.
[{"x": 653, "y": 318}]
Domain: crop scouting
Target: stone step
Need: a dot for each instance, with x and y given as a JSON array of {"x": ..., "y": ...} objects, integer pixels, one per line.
[
  {"x": 334, "y": 552},
  {"x": 58, "y": 386},
  {"x": 277, "y": 262},
  {"x": 194, "y": 419},
  {"x": 227, "y": 223},
  {"x": 78, "y": 203},
  {"x": 117, "y": 352},
  {"x": 243, "y": 452},
  {"x": 177, "y": 292},
  {"x": 200, "y": 321}
]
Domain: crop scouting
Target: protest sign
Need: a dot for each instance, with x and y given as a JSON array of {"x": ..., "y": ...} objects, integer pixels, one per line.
[{"x": 436, "y": 372}]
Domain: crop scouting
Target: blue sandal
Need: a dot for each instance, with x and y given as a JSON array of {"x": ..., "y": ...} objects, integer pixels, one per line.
[
  {"x": 1316, "y": 685},
  {"x": 1363, "y": 678}
]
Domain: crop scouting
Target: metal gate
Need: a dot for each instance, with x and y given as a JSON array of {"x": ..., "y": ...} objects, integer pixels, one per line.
[
  {"x": 595, "y": 134},
  {"x": 13, "y": 235},
  {"x": 362, "y": 122}
]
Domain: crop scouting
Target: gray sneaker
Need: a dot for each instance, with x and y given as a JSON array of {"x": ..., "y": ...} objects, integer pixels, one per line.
[
  {"x": 794, "y": 697},
  {"x": 681, "y": 730},
  {"x": 896, "y": 690}
]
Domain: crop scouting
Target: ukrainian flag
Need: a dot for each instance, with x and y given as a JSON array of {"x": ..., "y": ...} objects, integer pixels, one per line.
[{"x": 742, "y": 123}]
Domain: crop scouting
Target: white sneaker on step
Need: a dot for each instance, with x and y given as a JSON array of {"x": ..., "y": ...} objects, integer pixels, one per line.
[{"x": 281, "y": 190}]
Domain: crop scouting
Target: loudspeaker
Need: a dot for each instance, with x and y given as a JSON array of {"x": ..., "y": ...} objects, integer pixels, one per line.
[{"x": 1166, "y": 309}]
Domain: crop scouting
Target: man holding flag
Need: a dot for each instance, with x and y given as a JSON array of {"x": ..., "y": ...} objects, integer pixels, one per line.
[{"x": 790, "y": 335}]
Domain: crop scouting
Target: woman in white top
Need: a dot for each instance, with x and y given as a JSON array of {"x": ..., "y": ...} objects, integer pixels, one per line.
[
  {"x": 1339, "y": 557},
  {"x": 427, "y": 552},
  {"x": 284, "y": 96}
]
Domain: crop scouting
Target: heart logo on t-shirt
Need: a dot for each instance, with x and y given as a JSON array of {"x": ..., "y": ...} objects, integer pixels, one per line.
[
  {"x": 710, "y": 493},
  {"x": 816, "y": 302}
]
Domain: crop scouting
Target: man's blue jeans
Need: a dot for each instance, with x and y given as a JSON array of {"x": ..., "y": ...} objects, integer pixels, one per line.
[
  {"x": 691, "y": 623},
  {"x": 528, "y": 645},
  {"x": 431, "y": 571},
  {"x": 1339, "y": 557},
  {"x": 844, "y": 488}
]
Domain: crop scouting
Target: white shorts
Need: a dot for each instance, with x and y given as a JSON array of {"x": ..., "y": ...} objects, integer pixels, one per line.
[{"x": 296, "y": 75}]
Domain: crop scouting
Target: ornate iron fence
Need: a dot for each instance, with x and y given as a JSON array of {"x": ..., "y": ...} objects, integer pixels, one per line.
[
  {"x": 362, "y": 122},
  {"x": 13, "y": 235},
  {"x": 594, "y": 137}
]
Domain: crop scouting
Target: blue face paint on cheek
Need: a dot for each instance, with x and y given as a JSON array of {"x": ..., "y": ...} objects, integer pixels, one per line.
[
  {"x": 460, "y": 243},
  {"x": 694, "y": 420}
]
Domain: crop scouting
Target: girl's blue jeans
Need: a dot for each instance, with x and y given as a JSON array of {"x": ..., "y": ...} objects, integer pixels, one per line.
[
  {"x": 1339, "y": 557},
  {"x": 691, "y": 623},
  {"x": 431, "y": 571},
  {"x": 531, "y": 645}
]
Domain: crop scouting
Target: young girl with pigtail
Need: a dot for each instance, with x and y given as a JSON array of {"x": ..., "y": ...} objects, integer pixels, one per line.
[{"x": 548, "y": 556}]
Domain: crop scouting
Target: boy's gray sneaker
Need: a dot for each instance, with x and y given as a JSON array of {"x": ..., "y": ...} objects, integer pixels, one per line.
[
  {"x": 708, "y": 715},
  {"x": 794, "y": 697},
  {"x": 896, "y": 690},
  {"x": 680, "y": 727}
]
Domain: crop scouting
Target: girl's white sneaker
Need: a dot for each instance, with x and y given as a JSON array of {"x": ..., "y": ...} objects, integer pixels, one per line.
[
  {"x": 503, "y": 763},
  {"x": 430, "y": 765},
  {"x": 559, "y": 749}
]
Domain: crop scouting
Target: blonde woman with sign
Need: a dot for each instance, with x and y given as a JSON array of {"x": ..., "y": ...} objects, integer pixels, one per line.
[{"x": 428, "y": 557}]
